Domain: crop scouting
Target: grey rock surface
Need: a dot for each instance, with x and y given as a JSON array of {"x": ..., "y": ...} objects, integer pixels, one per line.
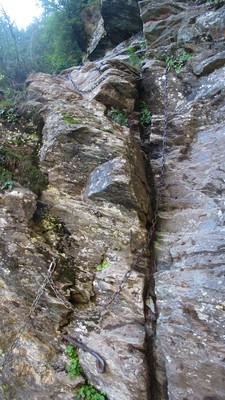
[
  {"x": 210, "y": 64},
  {"x": 189, "y": 246}
]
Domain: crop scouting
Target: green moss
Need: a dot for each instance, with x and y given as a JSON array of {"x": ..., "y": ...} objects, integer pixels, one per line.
[
  {"x": 107, "y": 130},
  {"x": 71, "y": 120},
  {"x": 51, "y": 226}
]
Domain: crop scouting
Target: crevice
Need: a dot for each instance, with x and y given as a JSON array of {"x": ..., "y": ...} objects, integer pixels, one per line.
[{"x": 154, "y": 390}]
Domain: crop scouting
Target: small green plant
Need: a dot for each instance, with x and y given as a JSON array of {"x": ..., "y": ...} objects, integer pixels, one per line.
[
  {"x": 6, "y": 179},
  {"x": 74, "y": 368},
  {"x": 103, "y": 265},
  {"x": 9, "y": 114},
  {"x": 177, "y": 62},
  {"x": 71, "y": 120},
  {"x": 118, "y": 116},
  {"x": 23, "y": 168},
  {"x": 134, "y": 59},
  {"x": 88, "y": 392},
  {"x": 145, "y": 114}
]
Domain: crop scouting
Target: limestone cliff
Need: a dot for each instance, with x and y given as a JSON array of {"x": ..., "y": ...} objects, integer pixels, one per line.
[{"x": 73, "y": 254}]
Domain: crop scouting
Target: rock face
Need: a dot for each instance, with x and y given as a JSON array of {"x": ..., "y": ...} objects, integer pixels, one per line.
[
  {"x": 92, "y": 218},
  {"x": 114, "y": 22},
  {"x": 69, "y": 250},
  {"x": 189, "y": 247}
]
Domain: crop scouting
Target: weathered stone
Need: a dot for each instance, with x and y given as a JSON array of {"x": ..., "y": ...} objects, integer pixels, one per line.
[
  {"x": 189, "y": 246},
  {"x": 121, "y": 19},
  {"x": 116, "y": 21},
  {"x": 153, "y": 10},
  {"x": 209, "y": 65},
  {"x": 92, "y": 218},
  {"x": 167, "y": 22},
  {"x": 212, "y": 24},
  {"x": 78, "y": 139},
  {"x": 20, "y": 203}
]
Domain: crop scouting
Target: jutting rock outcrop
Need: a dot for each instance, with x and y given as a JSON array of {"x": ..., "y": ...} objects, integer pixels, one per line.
[{"x": 108, "y": 23}]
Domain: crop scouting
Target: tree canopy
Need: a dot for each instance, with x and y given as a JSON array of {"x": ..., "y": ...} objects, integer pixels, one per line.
[{"x": 51, "y": 43}]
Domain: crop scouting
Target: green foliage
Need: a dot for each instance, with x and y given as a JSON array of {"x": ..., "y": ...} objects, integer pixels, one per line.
[
  {"x": 74, "y": 368},
  {"x": 118, "y": 116},
  {"x": 88, "y": 392},
  {"x": 145, "y": 114},
  {"x": 134, "y": 59},
  {"x": 6, "y": 179},
  {"x": 61, "y": 48},
  {"x": 103, "y": 265},
  {"x": 8, "y": 113},
  {"x": 71, "y": 120},
  {"x": 23, "y": 168},
  {"x": 177, "y": 62},
  {"x": 51, "y": 43}
]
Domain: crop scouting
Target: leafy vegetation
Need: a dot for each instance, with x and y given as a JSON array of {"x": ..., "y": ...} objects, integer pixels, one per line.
[
  {"x": 6, "y": 181},
  {"x": 103, "y": 265},
  {"x": 8, "y": 113},
  {"x": 145, "y": 114},
  {"x": 21, "y": 167},
  {"x": 51, "y": 43},
  {"x": 134, "y": 59},
  {"x": 176, "y": 61},
  {"x": 88, "y": 392},
  {"x": 118, "y": 116},
  {"x": 74, "y": 368}
]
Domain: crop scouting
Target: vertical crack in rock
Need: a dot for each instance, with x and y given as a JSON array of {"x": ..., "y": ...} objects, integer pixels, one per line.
[{"x": 189, "y": 281}]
